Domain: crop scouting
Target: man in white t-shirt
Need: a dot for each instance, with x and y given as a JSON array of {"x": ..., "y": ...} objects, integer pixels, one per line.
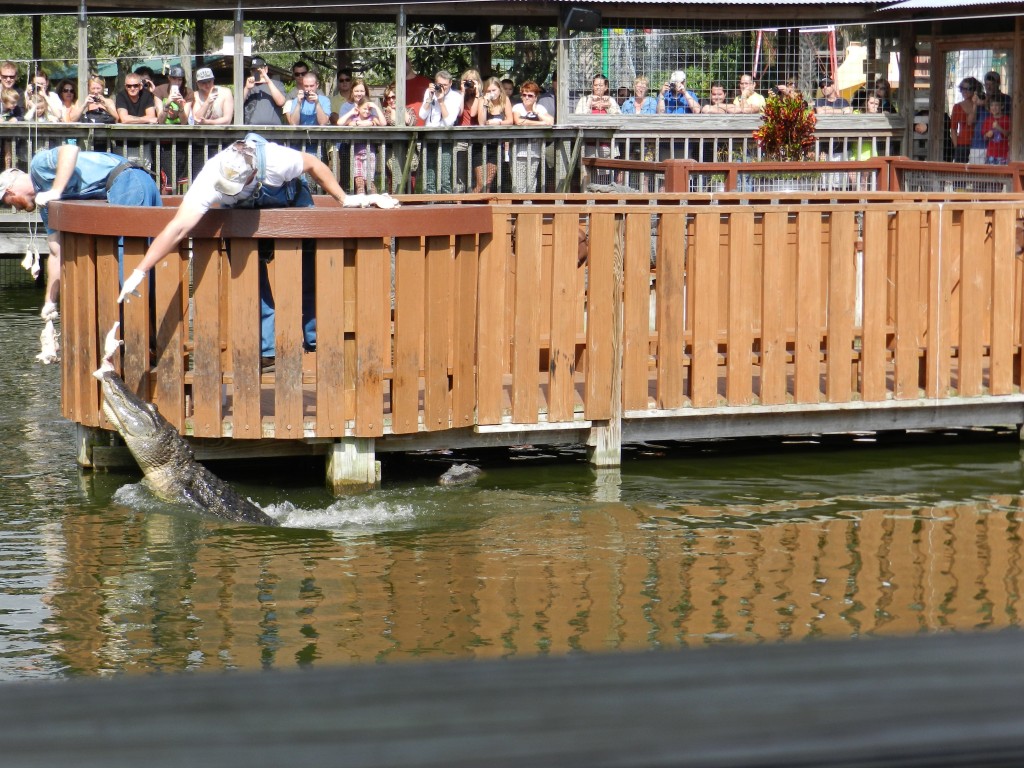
[{"x": 258, "y": 174}]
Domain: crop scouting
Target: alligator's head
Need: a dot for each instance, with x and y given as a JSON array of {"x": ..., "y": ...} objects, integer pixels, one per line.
[{"x": 149, "y": 436}]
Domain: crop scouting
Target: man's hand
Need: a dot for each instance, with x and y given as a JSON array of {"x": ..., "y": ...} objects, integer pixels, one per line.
[
  {"x": 130, "y": 284},
  {"x": 46, "y": 196},
  {"x": 365, "y": 201}
]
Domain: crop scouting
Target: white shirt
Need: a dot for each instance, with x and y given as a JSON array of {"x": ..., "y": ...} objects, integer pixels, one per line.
[
  {"x": 283, "y": 165},
  {"x": 430, "y": 112}
]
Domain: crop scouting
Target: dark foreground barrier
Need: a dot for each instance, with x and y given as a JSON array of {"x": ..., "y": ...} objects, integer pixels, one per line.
[{"x": 921, "y": 701}]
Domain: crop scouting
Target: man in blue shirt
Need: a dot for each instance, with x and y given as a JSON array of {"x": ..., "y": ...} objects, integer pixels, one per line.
[
  {"x": 674, "y": 99},
  {"x": 66, "y": 173},
  {"x": 309, "y": 107}
]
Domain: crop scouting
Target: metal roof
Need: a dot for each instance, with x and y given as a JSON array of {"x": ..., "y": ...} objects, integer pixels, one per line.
[{"x": 919, "y": 5}]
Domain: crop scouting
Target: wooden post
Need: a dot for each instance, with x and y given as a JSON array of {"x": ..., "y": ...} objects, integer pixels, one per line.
[
  {"x": 85, "y": 439},
  {"x": 604, "y": 446},
  {"x": 351, "y": 465}
]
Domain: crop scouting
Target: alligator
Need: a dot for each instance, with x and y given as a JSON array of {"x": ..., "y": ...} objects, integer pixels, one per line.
[{"x": 170, "y": 469}]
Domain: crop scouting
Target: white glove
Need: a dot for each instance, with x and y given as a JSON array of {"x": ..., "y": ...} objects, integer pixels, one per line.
[
  {"x": 354, "y": 201},
  {"x": 382, "y": 201},
  {"x": 44, "y": 197},
  {"x": 50, "y": 311},
  {"x": 130, "y": 284}
]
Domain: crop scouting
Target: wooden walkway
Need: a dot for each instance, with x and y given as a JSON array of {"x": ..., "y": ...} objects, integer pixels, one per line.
[{"x": 954, "y": 700}]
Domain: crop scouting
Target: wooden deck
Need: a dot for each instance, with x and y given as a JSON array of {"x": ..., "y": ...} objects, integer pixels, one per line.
[
  {"x": 689, "y": 316},
  {"x": 954, "y": 700}
]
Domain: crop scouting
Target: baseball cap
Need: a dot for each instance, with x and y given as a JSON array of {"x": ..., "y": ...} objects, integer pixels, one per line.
[
  {"x": 237, "y": 164},
  {"x": 678, "y": 77},
  {"x": 204, "y": 73},
  {"x": 825, "y": 81},
  {"x": 176, "y": 71},
  {"x": 258, "y": 61},
  {"x": 7, "y": 178}
]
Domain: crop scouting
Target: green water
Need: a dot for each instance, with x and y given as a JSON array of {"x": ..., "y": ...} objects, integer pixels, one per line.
[{"x": 686, "y": 546}]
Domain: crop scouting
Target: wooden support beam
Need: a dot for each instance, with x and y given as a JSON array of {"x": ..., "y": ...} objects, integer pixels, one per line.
[{"x": 352, "y": 465}]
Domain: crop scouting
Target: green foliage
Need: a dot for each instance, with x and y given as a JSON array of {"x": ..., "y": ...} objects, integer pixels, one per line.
[{"x": 787, "y": 129}]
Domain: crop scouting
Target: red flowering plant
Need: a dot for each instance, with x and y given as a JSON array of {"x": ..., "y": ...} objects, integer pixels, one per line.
[{"x": 787, "y": 129}]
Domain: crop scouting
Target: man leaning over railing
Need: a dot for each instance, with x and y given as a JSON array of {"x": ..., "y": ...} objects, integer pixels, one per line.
[{"x": 255, "y": 173}]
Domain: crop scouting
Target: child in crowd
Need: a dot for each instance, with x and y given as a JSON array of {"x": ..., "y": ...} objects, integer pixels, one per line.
[
  {"x": 364, "y": 115},
  {"x": 996, "y": 131},
  {"x": 10, "y": 106}
]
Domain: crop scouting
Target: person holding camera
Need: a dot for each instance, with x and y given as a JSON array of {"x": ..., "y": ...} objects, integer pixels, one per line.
[
  {"x": 263, "y": 96},
  {"x": 440, "y": 109},
  {"x": 211, "y": 104},
  {"x": 172, "y": 96},
  {"x": 598, "y": 102},
  {"x": 674, "y": 99},
  {"x": 94, "y": 108},
  {"x": 41, "y": 102},
  {"x": 308, "y": 106}
]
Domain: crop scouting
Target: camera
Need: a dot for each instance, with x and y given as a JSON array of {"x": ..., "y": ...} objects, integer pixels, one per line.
[
  {"x": 174, "y": 92},
  {"x": 148, "y": 83},
  {"x": 469, "y": 84},
  {"x": 257, "y": 77},
  {"x": 674, "y": 87}
]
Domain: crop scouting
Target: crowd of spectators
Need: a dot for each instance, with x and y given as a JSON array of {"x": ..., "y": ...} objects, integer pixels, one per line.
[{"x": 979, "y": 125}]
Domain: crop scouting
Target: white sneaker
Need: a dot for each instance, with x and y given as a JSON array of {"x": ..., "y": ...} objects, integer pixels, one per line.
[{"x": 50, "y": 311}]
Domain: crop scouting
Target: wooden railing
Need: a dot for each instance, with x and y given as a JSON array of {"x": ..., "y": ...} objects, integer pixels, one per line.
[
  {"x": 176, "y": 153},
  {"x": 441, "y": 319}
]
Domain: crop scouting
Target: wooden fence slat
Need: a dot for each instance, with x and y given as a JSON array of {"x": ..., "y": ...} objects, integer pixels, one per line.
[
  {"x": 669, "y": 294},
  {"x": 288, "y": 338},
  {"x": 373, "y": 333},
  {"x": 330, "y": 335},
  {"x": 636, "y": 311},
  {"x": 169, "y": 332},
  {"x": 464, "y": 331},
  {"x": 410, "y": 280},
  {"x": 490, "y": 329},
  {"x": 842, "y": 305},
  {"x": 137, "y": 323},
  {"x": 703, "y": 287},
  {"x": 526, "y": 323},
  {"x": 939, "y": 318},
  {"x": 108, "y": 311},
  {"x": 207, "y": 376},
  {"x": 1001, "y": 357},
  {"x": 437, "y": 333},
  {"x": 773, "y": 331},
  {"x": 562, "y": 351},
  {"x": 976, "y": 251},
  {"x": 873, "y": 338},
  {"x": 906, "y": 372},
  {"x": 246, "y": 414},
  {"x": 739, "y": 387},
  {"x": 600, "y": 322},
  {"x": 807, "y": 344},
  {"x": 74, "y": 296}
]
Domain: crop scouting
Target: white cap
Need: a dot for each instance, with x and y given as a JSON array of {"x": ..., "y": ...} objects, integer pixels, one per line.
[
  {"x": 237, "y": 164},
  {"x": 204, "y": 73},
  {"x": 678, "y": 77},
  {"x": 7, "y": 178}
]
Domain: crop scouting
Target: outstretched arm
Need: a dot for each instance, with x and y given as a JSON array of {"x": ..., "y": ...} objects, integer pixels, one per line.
[{"x": 322, "y": 175}]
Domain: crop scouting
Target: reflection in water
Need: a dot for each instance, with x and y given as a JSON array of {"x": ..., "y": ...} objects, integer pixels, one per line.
[{"x": 701, "y": 546}]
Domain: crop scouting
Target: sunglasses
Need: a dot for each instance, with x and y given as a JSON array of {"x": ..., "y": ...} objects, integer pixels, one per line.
[
  {"x": 133, "y": 85},
  {"x": 8, "y": 77},
  {"x": 67, "y": 90},
  {"x": 344, "y": 79},
  {"x": 300, "y": 74}
]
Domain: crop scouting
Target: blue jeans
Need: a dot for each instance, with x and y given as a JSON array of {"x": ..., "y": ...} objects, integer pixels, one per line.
[
  {"x": 132, "y": 187},
  {"x": 295, "y": 194}
]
